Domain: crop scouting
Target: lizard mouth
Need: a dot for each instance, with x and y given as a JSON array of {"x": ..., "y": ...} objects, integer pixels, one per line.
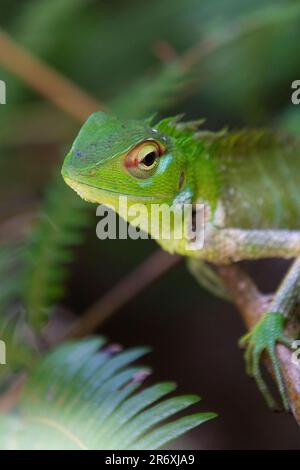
[{"x": 98, "y": 194}]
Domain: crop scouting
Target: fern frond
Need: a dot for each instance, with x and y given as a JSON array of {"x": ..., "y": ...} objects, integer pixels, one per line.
[
  {"x": 20, "y": 354},
  {"x": 59, "y": 227},
  {"x": 84, "y": 395},
  {"x": 10, "y": 273}
]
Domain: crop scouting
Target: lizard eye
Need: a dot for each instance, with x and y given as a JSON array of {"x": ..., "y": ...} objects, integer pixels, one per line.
[{"x": 142, "y": 160}]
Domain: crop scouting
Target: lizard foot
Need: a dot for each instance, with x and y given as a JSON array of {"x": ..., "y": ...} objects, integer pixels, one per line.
[{"x": 263, "y": 338}]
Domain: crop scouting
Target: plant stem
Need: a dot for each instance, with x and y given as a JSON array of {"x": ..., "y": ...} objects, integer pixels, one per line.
[
  {"x": 45, "y": 80},
  {"x": 125, "y": 290},
  {"x": 252, "y": 305}
]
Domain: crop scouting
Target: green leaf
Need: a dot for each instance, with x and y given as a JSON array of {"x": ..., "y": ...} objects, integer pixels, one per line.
[
  {"x": 84, "y": 395},
  {"x": 9, "y": 273},
  {"x": 171, "y": 431},
  {"x": 12, "y": 330}
]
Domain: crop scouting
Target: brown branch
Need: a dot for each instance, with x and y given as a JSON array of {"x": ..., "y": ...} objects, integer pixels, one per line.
[
  {"x": 15, "y": 228},
  {"x": 45, "y": 80},
  {"x": 129, "y": 287},
  {"x": 79, "y": 104},
  {"x": 164, "y": 51},
  {"x": 252, "y": 304}
]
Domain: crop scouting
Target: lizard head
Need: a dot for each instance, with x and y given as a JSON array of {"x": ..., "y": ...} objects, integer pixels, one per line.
[
  {"x": 112, "y": 158},
  {"x": 135, "y": 167}
]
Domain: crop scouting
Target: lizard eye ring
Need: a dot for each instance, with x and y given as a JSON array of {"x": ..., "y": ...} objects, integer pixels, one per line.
[{"x": 142, "y": 160}]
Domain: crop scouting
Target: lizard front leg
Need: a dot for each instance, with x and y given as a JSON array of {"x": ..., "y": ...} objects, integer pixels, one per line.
[
  {"x": 227, "y": 245},
  {"x": 269, "y": 331}
]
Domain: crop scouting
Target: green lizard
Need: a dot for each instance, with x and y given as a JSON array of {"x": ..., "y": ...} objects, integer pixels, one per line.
[{"x": 247, "y": 180}]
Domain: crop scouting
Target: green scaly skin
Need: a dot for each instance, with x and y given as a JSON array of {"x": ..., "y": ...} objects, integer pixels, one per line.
[{"x": 240, "y": 177}]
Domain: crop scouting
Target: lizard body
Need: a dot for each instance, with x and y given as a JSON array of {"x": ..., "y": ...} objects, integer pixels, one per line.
[{"x": 248, "y": 181}]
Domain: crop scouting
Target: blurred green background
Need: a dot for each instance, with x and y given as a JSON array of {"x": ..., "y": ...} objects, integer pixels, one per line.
[{"x": 128, "y": 55}]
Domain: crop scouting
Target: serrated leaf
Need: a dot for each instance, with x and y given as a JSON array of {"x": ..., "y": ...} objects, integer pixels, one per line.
[{"x": 55, "y": 413}]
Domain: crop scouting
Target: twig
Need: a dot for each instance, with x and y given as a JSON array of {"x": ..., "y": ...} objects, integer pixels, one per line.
[
  {"x": 145, "y": 274},
  {"x": 42, "y": 78},
  {"x": 16, "y": 227},
  {"x": 79, "y": 104},
  {"x": 164, "y": 51},
  {"x": 252, "y": 304},
  {"x": 12, "y": 395}
]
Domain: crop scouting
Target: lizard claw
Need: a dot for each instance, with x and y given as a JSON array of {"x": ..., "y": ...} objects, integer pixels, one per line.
[{"x": 263, "y": 338}]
